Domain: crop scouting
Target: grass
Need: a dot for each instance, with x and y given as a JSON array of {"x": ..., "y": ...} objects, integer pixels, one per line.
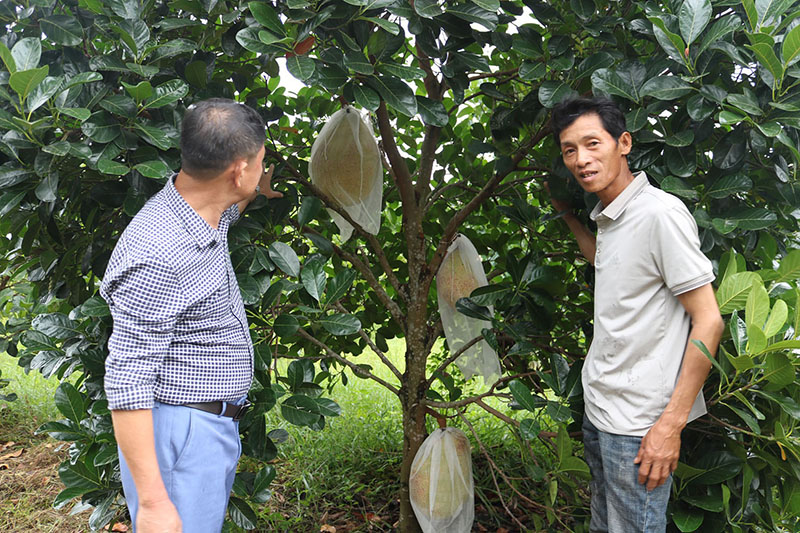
[{"x": 346, "y": 476}]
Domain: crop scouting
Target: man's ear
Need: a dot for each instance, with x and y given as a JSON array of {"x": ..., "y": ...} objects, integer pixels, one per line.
[
  {"x": 237, "y": 171},
  {"x": 625, "y": 143}
]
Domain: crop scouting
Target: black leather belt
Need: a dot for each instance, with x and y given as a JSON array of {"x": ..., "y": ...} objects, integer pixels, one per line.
[{"x": 231, "y": 410}]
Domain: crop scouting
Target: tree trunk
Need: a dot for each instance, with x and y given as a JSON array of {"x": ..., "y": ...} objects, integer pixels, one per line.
[{"x": 412, "y": 394}]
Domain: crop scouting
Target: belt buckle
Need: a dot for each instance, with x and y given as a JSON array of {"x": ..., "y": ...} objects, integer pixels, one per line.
[{"x": 242, "y": 410}]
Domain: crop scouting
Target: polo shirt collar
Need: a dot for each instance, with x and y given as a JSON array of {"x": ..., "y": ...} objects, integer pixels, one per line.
[
  {"x": 621, "y": 202},
  {"x": 198, "y": 228}
]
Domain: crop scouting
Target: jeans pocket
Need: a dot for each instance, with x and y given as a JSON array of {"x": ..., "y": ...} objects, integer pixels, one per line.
[{"x": 188, "y": 433}]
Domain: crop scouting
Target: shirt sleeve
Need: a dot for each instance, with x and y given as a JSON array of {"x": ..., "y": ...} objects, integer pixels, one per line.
[
  {"x": 145, "y": 300},
  {"x": 675, "y": 246}
]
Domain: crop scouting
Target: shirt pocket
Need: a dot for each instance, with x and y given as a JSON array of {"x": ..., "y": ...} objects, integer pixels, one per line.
[{"x": 212, "y": 306}]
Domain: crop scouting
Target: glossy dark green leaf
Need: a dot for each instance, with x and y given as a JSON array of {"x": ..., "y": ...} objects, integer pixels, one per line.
[
  {"x": 299, "y": 372},
  {"x": 328, "y": 407},
  {"x": 167, "y": 93},
  {"x": 607, "y": 81},
  {"x": 115, "y": 168},
  {"x": 553, "y": 92},
  {"x": 530, "y": 71},
  {"x": 522, "y": 395},
  {"x": 694, "y": 16},
  {"x": 529, "y": 429},
  {"x": 396, "y": 93},
  {"x": 66, "y": 430},
  {"x": 300, "y": 410},
  {"x": 339, "y": 285},
  {"x": 25, "y": 81},
  {"x": 153, "y": 169},
  {"x": 241, "y": 513},
  {"x": 730, "y": 184},
  {"x": 79, "y": 475},
  {"x": 340, "y": 324},
  {"x": 301, "y": 67},
  {"x": 665, "y": 88},
  {"x": 284, "y": 258},
  {"x": 467, "y": 307},
  {"x": 679, "y": 187},
  {"x": 427, "y": 8},
  {"x": 27, "y": 53},
  {"x": 687, "y": 520},
  {"x": 717, "y": 466},
  {"x": 285, "y": 325},
  {"x": 474, "y": 14},
  {"x": 753, "y": 218},
  {"x": 432, "y": 112},
  {"x": 670, "y": 42},
  {"x": 366, "y": 97},
  {"x": 314, "y": 279},
  {"x": 681, "y": 162},
  {"x": 267, "y": 17}
]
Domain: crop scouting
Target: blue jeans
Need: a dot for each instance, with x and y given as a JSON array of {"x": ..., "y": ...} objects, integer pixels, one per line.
[
  {"x": 620, "y": 504},
  {"x": 197, "y": 455}
]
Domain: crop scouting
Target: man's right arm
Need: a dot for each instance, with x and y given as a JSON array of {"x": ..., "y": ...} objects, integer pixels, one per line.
[
  {"x": 586, "y": 239},
  {"x": 134, "y": 432}
]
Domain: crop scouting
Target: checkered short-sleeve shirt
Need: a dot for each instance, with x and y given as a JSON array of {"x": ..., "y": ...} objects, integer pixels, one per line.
[{"x": 180, "y": 331}]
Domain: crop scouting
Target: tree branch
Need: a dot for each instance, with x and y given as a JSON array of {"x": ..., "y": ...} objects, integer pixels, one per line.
[
  {"x": 453, "y": 356},
  {"x": 354, "y": 367},
  {"x": 374, "y": 347},
  {"x": 369, "y": 276},
  {"x": 477, "y": 399}
]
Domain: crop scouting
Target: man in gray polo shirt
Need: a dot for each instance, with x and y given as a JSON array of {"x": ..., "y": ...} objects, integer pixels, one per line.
[{"x": 642, "y": 379}]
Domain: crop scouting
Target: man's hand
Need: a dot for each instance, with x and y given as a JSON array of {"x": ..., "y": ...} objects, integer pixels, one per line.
[
  {"x": 658, "y": 453},
  {"x": 560, "y": 205},
  {"x": 158, "y": 517},
  {"x": 265, "y": 185}
]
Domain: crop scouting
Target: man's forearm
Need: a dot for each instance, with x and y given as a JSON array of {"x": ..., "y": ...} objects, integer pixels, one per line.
[
  {"x": 586, "y": 239},
  {"x": 134, "y": 432}
]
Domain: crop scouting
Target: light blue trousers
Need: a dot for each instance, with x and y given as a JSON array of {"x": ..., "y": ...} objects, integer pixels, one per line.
[
  {"x": 197, "y": 454},
  {"x": 620, "y": 504}
]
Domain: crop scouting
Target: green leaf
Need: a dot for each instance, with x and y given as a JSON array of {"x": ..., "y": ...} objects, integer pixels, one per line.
[
  {"x": 285, "y": 325},
  {"x": 328, "y": 407},
  {"x": 340, "y": 324},
  {"x": 64, "y": 430},
  {"x": 777, "y": 318},
  {"x": 467, "y": 307},
  {"x": 79, "y": 475},
  {"x": 756, "y": 340},
  {"x": 609, "y": 82},
  {"x": 530, "y": 71},
  {"x": 27, "y": 53},
  {"x": 140, "y": 92},
  {"x": 396, "y": 94},
  {"x": 267, "y": 17},
  {"x": 789, "y": 269},
  {"x": 778, "y": 369},
  {"x": 241, "y": 513},
  {"x": 70, "y": 402},
  {"x": 62, "y": 29},
  {"x": 366, "y": 97},
  {"x": 752, "y": 14},
  {"x": 43, "y": 92},
  {"x": 80, "y": 113},
  {"x": 575, "y": 465},
  {"x": 167, "y": 93},
  {"x": 693, "y": 17},
  {"x": 790, "y": 51},
  {"x": 433, "y": 112},
  {"x": 730, "y": 184},
  {"x": 107, "y": 166},
  {"x": 267, "y": 37},
  {"x": 339, "y": 285},
  {"x": 8, "y": 59},
  {"x": 687, "y": 520},
  {"x": 672, "y": 43},
  {"x": 427, "y": 8},
  {"x": 529, "y": 429},
  {"x": 757, "y": 305},
  {"x": 284, "y": 258},
  {"x": 754, "y": 218},
  {"x": 766, "y": 56},
  {"x": 301, "y": 67},
  {"x": 24, "y": 81},
  {"x": 359, "y": 63},
  {"x": 250, "y": 41},
  {"x": 155, "y": 169},
  {"x": 489, "y": 5},
  {"x": 665, "y": 88},
  {"x": 788, "y": 404},
  {"x": 313, "y": 278},
  {"x": 679, "y": 187},
  {"x": 734, "y": 291},
  {"x": 402, "y": 71},
  {"x": 300, "y": 410},
  {"x": 474, "y": 14},
  {"x": 522, "y": 395},
  {"x": 391, "y": 27},
  {"x": 719, "y": 29},
  {"x": 717, "y": 466},
  {"x": 553, "y": 92},
  {"x": 729, "y": 117}
]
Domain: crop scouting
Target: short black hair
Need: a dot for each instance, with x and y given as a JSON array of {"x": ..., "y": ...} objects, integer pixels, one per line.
[
  {"x": 568, "y": 110},
  {"x": 215, "y": 133}
]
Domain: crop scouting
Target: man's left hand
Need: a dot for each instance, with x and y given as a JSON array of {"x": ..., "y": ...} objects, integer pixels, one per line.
[
  {"x": 265, "y": 185},
  {"x": 658, "y": 453}
]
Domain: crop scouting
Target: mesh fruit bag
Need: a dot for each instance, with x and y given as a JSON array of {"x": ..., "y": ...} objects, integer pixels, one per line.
[
  {"x": 461, "y": 273},
  {"x": 346, "y": 165},
  {"x": 441, "y": 484}
]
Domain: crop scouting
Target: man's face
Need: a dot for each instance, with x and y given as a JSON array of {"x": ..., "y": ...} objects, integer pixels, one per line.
[{"x": 595, "y": 158}]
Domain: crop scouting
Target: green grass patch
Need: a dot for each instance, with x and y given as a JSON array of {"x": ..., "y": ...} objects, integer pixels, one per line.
[{"x": 34, "y": 404}]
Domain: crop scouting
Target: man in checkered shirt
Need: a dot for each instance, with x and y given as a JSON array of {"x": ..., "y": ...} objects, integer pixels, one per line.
[{"x": 180, "y": 356}]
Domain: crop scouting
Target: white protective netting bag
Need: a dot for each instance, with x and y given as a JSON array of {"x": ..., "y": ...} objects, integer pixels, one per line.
[
  {"x": 461, "y": 273},
  {"x": 346, "y": 165},
  {"x": 441, "y": 484}
]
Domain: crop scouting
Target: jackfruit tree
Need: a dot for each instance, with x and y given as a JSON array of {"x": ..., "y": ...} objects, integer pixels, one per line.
[{"x": 458, "y": 92}]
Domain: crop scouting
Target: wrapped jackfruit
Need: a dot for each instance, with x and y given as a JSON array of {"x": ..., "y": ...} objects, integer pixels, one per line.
[
  {"x": 441, "y": 484},
  {"x": 346, "y": 165},
  {"x": 461, "y": 273}
]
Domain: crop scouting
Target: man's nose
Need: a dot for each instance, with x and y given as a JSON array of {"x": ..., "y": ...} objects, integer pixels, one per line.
[{"x": 582, "y": 156}]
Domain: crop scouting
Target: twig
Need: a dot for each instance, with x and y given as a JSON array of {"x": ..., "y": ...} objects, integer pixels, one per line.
[
  {"x": 354, "y": 367},
  {"x": 374, "y": 347},
  {"x": 453, "y": 357}
]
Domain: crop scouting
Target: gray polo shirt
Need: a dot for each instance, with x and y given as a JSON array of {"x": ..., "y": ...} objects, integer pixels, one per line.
[{"x": 648, "y": 253}]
